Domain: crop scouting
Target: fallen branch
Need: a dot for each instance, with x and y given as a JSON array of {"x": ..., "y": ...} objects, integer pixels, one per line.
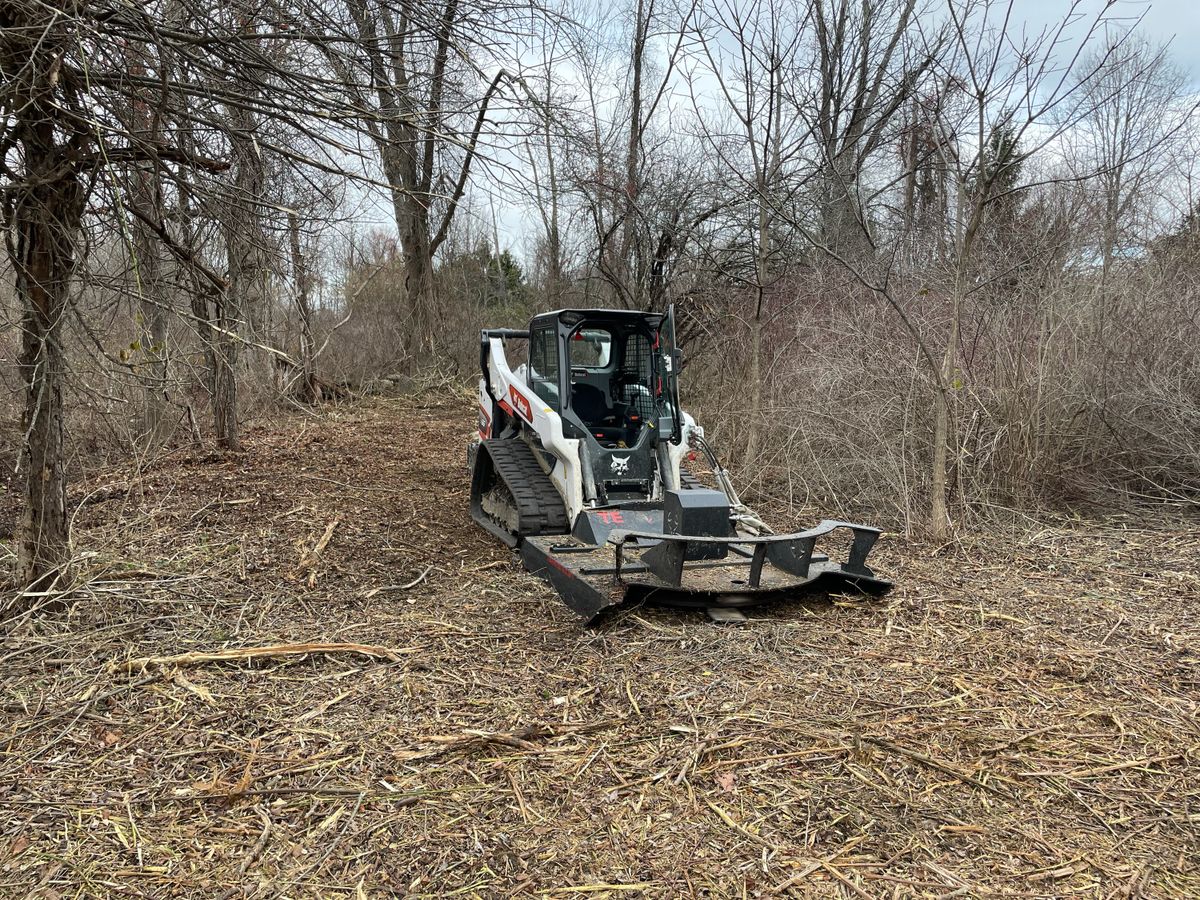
[
  {"x": 817, "y": 864},
  {"x": 241, "y": 653},
  {"x": 1117, "y": 767},
  {"x": 324, "y": 541},
  {"x": 311, "y": 558},
  {"x": 845, "y": 881},
  {"x": 476, "y": 739},
  {"x": 400, "y": 587},
  {"x": 935, "y": 764},
  {"x": 741, "y": 829},
  {"x": 261, "y": 844}
]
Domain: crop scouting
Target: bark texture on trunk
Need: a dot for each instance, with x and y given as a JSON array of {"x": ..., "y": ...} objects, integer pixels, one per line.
[
  {"x": 418, "y": 275},
  {"x": 945, "y": 425},
  {"x": 755, "y": 377},
  {"x": 43, "y": 214},
  {"x": 152, "y": 336},
  {"x": 46, "y": 218},
  {"x": 245, "y": 287},
  {"x": 844, "y": 227},
  {"x": 146, "y": 205},
  {"x": 224, "y": 376},
  {"x": 307, "y": 390}
]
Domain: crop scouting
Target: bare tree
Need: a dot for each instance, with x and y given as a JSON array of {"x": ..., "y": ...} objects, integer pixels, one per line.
[
  {"x": 45, "y": 144},
  {"x": 303, "y": 282},
  {"x": 623, "y": 190},
  {"x": 749, "y": 50},
  {"x": 550, "y": 134},
  {"x": 989, "y": 97},
  {"x": 246, "y": 271},
  {"x": 310, "y": 203},
  {"x": 865, "y": 71},
  {"x": 1000, "y": 97},
  {"x": 112, "y": 110},
  {"x": 1122, "y": 143},
  {"x": 400, "y": 68},
  {"x": 925, "y": 211},
  {"x": 145, "y": 197}
]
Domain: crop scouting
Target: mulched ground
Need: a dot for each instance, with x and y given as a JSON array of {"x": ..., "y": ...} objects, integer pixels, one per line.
[{"x": 1018, "y": 718}]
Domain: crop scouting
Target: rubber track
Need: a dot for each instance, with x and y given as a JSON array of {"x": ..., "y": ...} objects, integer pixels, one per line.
[{"x": 540, "y": 509}]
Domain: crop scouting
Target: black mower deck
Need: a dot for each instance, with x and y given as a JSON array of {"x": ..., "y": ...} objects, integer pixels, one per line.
[{"x": 696, "y": 571}]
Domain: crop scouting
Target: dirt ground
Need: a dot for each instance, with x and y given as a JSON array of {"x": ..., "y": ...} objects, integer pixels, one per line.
[{"x": 1017, "y": 718}]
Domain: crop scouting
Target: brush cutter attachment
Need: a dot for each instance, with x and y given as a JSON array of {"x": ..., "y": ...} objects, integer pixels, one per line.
[{"x": 700, "y": 571}]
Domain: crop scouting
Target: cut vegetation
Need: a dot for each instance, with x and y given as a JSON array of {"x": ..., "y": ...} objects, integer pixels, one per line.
[{"x": 229, "y": 711}]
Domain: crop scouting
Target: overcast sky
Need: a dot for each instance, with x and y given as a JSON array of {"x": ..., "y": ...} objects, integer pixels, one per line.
[
  {"x": 1174, "y": 22},
  {"x": 1163, "y": 21}
]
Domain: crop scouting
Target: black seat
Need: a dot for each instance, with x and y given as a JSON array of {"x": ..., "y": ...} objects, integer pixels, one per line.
[{"x": 590, "y": 404}]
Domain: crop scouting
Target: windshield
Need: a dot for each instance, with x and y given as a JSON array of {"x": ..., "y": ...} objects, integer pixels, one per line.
[{"x": 591, "y": 348}]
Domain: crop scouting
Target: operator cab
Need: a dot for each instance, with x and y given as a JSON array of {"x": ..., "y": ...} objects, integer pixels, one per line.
[
  {"x": 610, "y": 375},
  {"x": 611, "y": 382},
  {"x": 606, "y": 364}
]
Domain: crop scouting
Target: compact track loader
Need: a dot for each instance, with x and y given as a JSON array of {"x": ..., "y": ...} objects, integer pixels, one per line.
[{"x": 578, "y": 466}]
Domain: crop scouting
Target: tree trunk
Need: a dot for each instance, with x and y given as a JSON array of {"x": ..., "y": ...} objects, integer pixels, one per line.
[
  {"x": 910, "y": 150},
  {"x": 944, "y": 425},
  {"x": 943, "y": 420},
  {"x": 755, "y": 375},
  {"x": 628, "y": 275},
  {"x": 200, "y": 292},
  {"x": 939, "y": 514},
  {"x": 765, "y": 183},
  {"x": 400, "y": 167},
  {"x": 418, "y": 277},
  {"x": 224, "y": 376},
  {"x": 146, "y": 203},
  {"x": 308, "y": 364},
  {"x": 46, "y": 219},
  {"x": 548, "y": 209},
  {"x": 245, "y": 287},
  {"x": 844, "y": 230},
  {"x": 152, "y": 335}
]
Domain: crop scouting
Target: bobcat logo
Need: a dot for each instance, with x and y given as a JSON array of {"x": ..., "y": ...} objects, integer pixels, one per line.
[{"x": 620, "y": 465}]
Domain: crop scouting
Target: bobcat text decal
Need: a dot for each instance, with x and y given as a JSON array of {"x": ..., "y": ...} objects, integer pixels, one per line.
[{"x": 521, "y": 404}]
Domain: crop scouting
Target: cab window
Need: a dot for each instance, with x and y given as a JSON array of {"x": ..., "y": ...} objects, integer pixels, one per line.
[
  {"x": 543, "y": 365},
  {"x": 591, "y": 348}
]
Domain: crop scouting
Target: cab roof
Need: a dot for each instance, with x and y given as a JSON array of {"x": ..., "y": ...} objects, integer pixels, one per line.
[{"x": 575, "y": 316}]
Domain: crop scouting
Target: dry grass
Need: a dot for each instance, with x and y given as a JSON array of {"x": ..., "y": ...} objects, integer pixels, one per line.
[{"x": 1018, "y": 718}]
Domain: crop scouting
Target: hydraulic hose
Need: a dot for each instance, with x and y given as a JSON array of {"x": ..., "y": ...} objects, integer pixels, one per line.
[{"x": 739, "y": 512}]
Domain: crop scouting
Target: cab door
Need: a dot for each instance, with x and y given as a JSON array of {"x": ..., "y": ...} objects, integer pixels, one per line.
[
  {"x": 669, "y": 361},
  {"x": 544, "y": 365}
]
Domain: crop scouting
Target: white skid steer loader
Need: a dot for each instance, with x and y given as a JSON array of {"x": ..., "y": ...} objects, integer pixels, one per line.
[{"x": 578, "y": 466}]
